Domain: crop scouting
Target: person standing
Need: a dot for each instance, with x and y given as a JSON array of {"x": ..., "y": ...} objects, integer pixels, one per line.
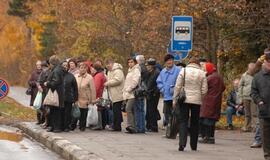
[
  {"x": 71, "y": 96},
  {"x": 132, "y": 81},
  {"x": 86, "y": 95},
  {"x": 246, "y": 100},
  {"x": 189, "y": 112},
  {"x": 152, "y": 96},
  {"x": 99, "y": 80},
  {"x": 166, "y": 83},
  {"x": 139, "y": 109},
  {"x": 73, "y": 69},
  {"x": 211, "y": 106},
  {"x": 55, "y": 83},
  {"x": 33, "y": 84},
  {"x": 260, "y": 93},
  {"x": 115, "y": 83}
]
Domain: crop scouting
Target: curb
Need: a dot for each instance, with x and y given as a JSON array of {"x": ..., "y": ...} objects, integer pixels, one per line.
[{"x": 57, "y": 144}]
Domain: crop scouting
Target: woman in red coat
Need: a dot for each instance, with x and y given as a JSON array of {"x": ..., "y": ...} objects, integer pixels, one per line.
[
  {"x": 99, "y": 80},
  {"x": 211, "y": 106}
]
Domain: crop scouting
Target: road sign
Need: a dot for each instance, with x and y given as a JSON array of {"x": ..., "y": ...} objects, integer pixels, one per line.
[
  {"x": 4, "y": 88},
  {"x": 178, "y": 55},
  {"x": 182, "y": 35}
]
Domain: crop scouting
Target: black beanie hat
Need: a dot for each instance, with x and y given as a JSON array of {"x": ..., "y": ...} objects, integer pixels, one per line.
[
  {"x": 151, "y": 61},
  {"x": 168, "y": 57}
]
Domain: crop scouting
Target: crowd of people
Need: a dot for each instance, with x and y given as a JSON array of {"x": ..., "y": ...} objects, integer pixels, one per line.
[{"x": 193, "y": 93}]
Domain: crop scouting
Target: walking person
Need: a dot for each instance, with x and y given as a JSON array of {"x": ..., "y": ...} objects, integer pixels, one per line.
[
  {"x": 152, "y": 96},
  {"x": 132, "y": 81},
  {"x": 260, "y": 93},
  {"x": 115, "y": 83},
  {"x": 166, "y": 83},
  {"x": 246, "y": 100},
  {"x": 189, "y": 112},
  {"x": 211, "y": 106},
  {"x": 71, "y": 96},
  {"x": 86, "y": 95},
  {"x": 99, "y": 80},
  {"x": 55, "y": 83},
  {"x": 258, "y": 137},
  {"x": 33, "y": 86}
]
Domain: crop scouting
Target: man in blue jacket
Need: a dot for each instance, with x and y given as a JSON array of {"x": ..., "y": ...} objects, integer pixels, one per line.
[{"x": 166, "y": 82}]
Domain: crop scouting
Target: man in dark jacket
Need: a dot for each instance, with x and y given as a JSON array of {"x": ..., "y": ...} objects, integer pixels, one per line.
[
  {"x": 260, "y": 93},
  {"x": 55, "y": 83},
  {"x": 71, "y": 96},
  {"x": 152, "y": 98},
  {"x": 232, "y": 103}
]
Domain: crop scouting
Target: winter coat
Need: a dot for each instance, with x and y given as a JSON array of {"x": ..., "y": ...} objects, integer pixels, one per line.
[
  {"x": 260, "y": 91},
  {"x": 99, "y": 80},
  {"x": 151, "y": 83},
  {"x": 195, "y": 84},
  {"x": 211, "y": 106},
  {"x": 55, "y": 81},
  {"x": 232, "y": 99},
  {"x": 32, "y": 82},
  {"x": 86, "y": 90},
  {"x": 43, "y": 77},
  {"x": 71, "y": 88},
  {"x": 132, "y": 80},
  {"x": 115, "y": 82},
  {"x": 245, "y": 87},
  {"x": 166, "y": 81}
]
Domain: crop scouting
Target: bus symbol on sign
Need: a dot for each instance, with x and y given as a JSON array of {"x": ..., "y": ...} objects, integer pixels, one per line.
[{"x": 4, "y": 88}]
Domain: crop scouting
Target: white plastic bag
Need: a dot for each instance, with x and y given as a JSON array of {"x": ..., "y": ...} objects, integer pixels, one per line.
[
  {"x": 92, "y": 116},
  {"x": 38, "y": 101}
]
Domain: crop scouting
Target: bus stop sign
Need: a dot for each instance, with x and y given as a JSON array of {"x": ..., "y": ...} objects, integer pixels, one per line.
[{"x": 182, "y": 36}]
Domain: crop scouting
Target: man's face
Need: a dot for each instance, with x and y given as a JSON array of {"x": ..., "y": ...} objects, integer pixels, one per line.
[
  {"x": 38, "y": 65},
  {"x": 65, "y": 66},
  {"x": 235, "y": 84},
  {"x": 169, "y": 63}
]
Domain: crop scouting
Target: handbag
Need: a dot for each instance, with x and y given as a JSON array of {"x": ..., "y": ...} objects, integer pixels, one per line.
[
  {"x": 29, "y": 91},
  {"x": 104, "y": 101},
  {"x": 51, "y": 99},
  {"x": 182, "y": 95},
  {"x": 75, "y": 111},
  {"x": 172, "y": 127},
  {"x": 38, "y": 101},
  {"x": 140, "y": 90}
]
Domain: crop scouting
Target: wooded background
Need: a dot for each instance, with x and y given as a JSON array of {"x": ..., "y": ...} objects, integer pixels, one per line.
[{"x": 230, "y": 33}]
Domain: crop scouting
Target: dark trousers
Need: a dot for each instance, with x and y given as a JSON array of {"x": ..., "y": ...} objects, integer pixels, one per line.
[
  {"x": 207, "y": 130},
  {"x": 82, "y": 119},
  {"x": 40, "y": 116},
  {"x": 167, "y": 110},
  {"x": 55, "y": 118},
  {"x": 184, "y": 120},
  {"x": 66, "y": 119},
  {"x": 265, "y": 126},
  {"x": 152, "y": 112},
  {"x": 117, "y": 115}
]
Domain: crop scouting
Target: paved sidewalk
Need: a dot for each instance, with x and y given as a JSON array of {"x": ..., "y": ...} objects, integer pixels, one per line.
[{"x": 107, "y": 145}]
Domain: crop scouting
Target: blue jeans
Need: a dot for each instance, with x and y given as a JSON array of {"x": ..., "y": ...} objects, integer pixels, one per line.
[
  {"x": 258, "y": 137},
  {"x": 230, "y": 111},
  {"x": 140, "y": 115}
]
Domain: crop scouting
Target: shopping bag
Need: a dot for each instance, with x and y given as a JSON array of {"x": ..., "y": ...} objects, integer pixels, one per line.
[
  {"x": 172, "y": 128},
  {"x": 75, "y": 111},
  {"x": 38, "y": 101},
  {"x": 51, "y": 99},
  {"x": 92, "y": 116}
]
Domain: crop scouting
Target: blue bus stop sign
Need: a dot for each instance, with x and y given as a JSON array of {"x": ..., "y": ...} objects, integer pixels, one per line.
[
  {"x": 182, "y": 35},
  {"x": 4, "y": 88}
]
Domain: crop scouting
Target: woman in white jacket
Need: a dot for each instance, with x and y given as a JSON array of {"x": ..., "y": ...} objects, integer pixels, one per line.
[{"x": 132, "y": 80}]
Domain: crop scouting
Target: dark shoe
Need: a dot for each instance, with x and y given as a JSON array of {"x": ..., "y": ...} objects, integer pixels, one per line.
[
  {"x": 38, "y": 123},
  {"x": 230, "y": 127},
  {"x": 82, "y": 129},
  {"x": 66, "y": 130},
  {"x": 97, "y": 128},
  {"x": 50, "y": 129},
  {"x": 211, "y": 140},
  {"x": 131, "y": 130},
  {"x": 203, "y": 140},
  {"x": 256, "y": 145},
  {"x": 181, "y": 148},
  {"x": 57, "y": 131}
]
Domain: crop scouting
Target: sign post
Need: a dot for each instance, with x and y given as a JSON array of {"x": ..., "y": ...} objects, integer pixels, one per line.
[
  {"x": 182, "y": 35},
  {"x": 4, "y": 88}
]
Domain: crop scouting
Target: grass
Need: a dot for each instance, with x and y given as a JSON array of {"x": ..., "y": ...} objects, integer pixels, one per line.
[{"x": 10, "y": 109}]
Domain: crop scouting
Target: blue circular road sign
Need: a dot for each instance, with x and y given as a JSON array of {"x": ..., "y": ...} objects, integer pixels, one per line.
[{"x": 4, "y": 88}]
